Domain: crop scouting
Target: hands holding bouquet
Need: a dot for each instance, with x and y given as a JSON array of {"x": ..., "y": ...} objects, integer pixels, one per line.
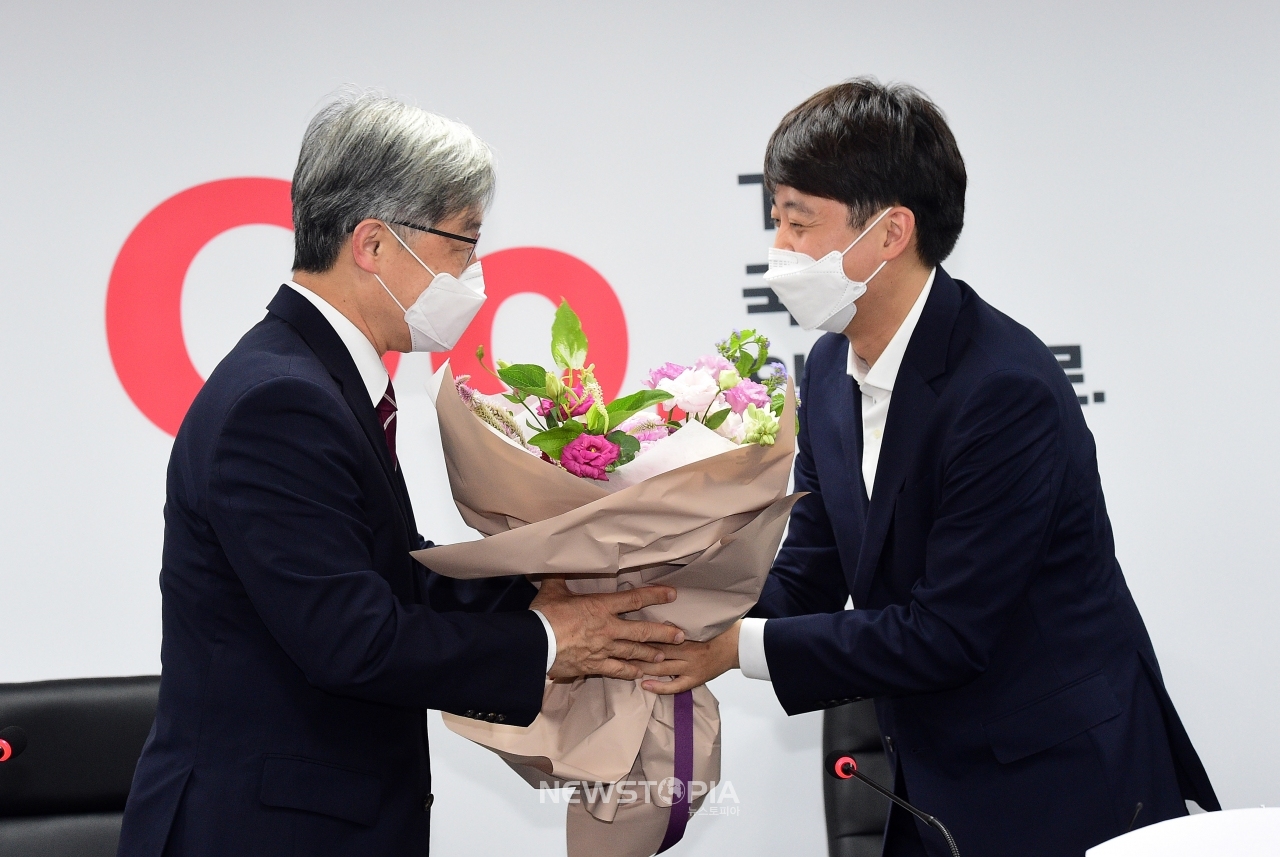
[{"x": 681, "y": 485}]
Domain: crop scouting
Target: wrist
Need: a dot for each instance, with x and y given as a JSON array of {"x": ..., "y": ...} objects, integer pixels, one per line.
[{"x": 731, "y": 646}]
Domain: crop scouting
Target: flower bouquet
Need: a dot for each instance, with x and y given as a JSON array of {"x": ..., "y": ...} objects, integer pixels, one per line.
[{"x": 684, "y": 484}]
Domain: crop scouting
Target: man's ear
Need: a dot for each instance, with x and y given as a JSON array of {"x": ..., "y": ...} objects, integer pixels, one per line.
[
  {"x": 369, "y": 245},
  {"x": 901, "y": 234}
]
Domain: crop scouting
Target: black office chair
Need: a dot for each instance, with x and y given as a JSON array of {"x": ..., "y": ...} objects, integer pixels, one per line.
[
  {"x": 856, "y": 815},
  {"x": 64, "y": 795}
]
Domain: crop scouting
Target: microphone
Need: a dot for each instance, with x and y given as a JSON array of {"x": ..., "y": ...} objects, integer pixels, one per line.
[
  {"x": 12, "y": 742},
  {"x": 843, "y": 766}
]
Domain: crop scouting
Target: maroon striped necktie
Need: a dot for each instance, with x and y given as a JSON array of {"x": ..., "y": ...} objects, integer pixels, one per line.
[{"x": 387, "y": 417}]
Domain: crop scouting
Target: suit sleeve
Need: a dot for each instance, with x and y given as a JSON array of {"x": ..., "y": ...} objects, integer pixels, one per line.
[
  {"x": 1001, "y": 471},
  {"x": 807, "y": 576},
  {"x": 286, "y": 503},
  {"x": 487, "y": 595}
]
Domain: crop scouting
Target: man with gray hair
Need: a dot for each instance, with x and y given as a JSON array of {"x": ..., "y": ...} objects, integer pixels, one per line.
[{"x": 302, "y": 643}]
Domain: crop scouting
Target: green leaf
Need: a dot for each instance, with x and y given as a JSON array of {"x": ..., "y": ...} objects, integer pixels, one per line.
[
  {"x": 524, "y": 376},
  {"x": 629, "y": 406},
  {"x": 553, "y": 441},
  {"x": 597, "y": 419},
  {"x": 628, "y": 446},
  {"x": 714, "y": 421},
  {"x": 568, "y": 342}
]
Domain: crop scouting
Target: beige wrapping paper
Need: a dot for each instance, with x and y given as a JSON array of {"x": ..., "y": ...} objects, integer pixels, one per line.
[{"x": 710, "y": 529}]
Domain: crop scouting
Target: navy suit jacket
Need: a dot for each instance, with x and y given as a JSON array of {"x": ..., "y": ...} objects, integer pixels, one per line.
[
  {"x": 302, "y": 643},
  {"x": 1016, "y": 686}
]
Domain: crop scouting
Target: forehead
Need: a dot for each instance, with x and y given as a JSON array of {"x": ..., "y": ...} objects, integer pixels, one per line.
[{"x": 787, "y": 198}]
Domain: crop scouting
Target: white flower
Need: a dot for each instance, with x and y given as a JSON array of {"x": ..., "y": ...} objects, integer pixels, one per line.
[
  {"x": 692, "y": 391},
  {"x": 733, "y": 428}
]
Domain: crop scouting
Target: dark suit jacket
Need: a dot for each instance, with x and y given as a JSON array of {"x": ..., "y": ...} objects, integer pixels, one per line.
[
  {"x": 1015, "y": 682},
  {"x": 301, "y": 646}
]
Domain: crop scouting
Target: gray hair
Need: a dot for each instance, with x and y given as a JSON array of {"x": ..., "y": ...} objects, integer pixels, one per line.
[{"x": 366, "y": 155}]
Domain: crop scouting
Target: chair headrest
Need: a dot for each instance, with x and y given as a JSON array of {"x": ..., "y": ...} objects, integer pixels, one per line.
[{"x": 84, "y": 738}]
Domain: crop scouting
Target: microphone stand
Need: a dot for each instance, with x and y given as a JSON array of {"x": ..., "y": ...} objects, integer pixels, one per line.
[{"x": 843, "y": 766}]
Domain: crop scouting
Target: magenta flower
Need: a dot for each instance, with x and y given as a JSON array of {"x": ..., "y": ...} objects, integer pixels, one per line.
[
  {"x": 588, "y": 455},
  {"x": 579, "y": 400},
  {"x": 747, "y": 392},
  {"x": 666, "y": 370},
  {"x": 584, "y": 401}
]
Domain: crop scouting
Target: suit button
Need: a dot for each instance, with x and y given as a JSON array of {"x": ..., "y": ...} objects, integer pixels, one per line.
[
  {"x": 469, "y": 713},
  {"x": 426, "y": 804},
  {"x": 888, "y": 742},
  {"x": 502, "y": 718}
]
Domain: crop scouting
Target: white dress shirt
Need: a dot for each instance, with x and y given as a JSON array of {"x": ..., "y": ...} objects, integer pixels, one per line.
[
  {"x": 375, "y": 377},
  {"x": 876, "y": 385}
]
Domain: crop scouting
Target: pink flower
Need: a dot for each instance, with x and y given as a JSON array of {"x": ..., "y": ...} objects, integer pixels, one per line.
[
  {"x": 588, "y": 455},
  {"x": 465, "y": 392},
  {"x": 584, "y": 401},
  {"x": 747, "y": 392},
  {"x": 580, "y": 402},
  {"x": 713, "y": 363},
  {"x": 666, "y": 370},
  {"x": 692, "y": 391},
  {"x": 645, "y": 427}
]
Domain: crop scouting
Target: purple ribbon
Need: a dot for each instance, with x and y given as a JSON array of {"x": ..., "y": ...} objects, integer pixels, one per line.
[{"x": 683, "y": 771}]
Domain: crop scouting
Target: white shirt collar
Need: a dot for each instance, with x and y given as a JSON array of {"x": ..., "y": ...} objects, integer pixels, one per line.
[
  {"x": 877, "y": 380},
  {"x": 365, "y": 356}
]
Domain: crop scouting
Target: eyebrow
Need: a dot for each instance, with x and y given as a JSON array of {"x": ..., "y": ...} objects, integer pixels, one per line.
[{"x": 796, "y": 205}]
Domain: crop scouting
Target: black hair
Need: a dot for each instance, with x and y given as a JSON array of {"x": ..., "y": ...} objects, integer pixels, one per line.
[{"x": 871, "y": 145}]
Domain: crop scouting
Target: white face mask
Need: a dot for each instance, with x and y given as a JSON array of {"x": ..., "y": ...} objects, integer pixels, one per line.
[
  {"x": 440, "y": 315},
  {"x": 817, "y": 293}
]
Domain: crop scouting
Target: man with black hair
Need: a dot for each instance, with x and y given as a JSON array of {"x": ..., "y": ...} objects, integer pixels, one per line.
[{"x": 954, "y": 495}]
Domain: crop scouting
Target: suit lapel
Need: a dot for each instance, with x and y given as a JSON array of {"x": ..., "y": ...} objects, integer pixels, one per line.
[
  {"x": 910, "y": 408},
  {"x": 324, "y": 341}
]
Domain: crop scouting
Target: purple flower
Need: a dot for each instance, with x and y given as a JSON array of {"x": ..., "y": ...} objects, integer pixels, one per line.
[
  {"x": 747, "y": 392},
  {"x": 666, "y": 370},
  {"x": 713, "y": 363},
  {"x": 588, "y": 455},
  {"x": 545, "y": 406}
]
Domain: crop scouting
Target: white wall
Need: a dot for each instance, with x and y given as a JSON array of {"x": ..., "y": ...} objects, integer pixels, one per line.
[{"x": 1122, "y": 176}]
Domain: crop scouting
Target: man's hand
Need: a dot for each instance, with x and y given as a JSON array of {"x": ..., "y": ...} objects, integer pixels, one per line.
[
  {"x": 592, "y": 640},
  {"x": 693, "y": 663}
]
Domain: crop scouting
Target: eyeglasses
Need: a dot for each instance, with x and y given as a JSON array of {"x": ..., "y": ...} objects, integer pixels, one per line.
[{"x": 443, "y": 234}]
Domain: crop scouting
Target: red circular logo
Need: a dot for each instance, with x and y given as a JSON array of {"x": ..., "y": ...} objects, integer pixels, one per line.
[{"x": 144, "y": 295}]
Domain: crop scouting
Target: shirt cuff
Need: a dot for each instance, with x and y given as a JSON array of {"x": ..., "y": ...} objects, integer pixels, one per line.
[
  {"x": 551, "y": 640},
  {"x": 751, "y": 656}
]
